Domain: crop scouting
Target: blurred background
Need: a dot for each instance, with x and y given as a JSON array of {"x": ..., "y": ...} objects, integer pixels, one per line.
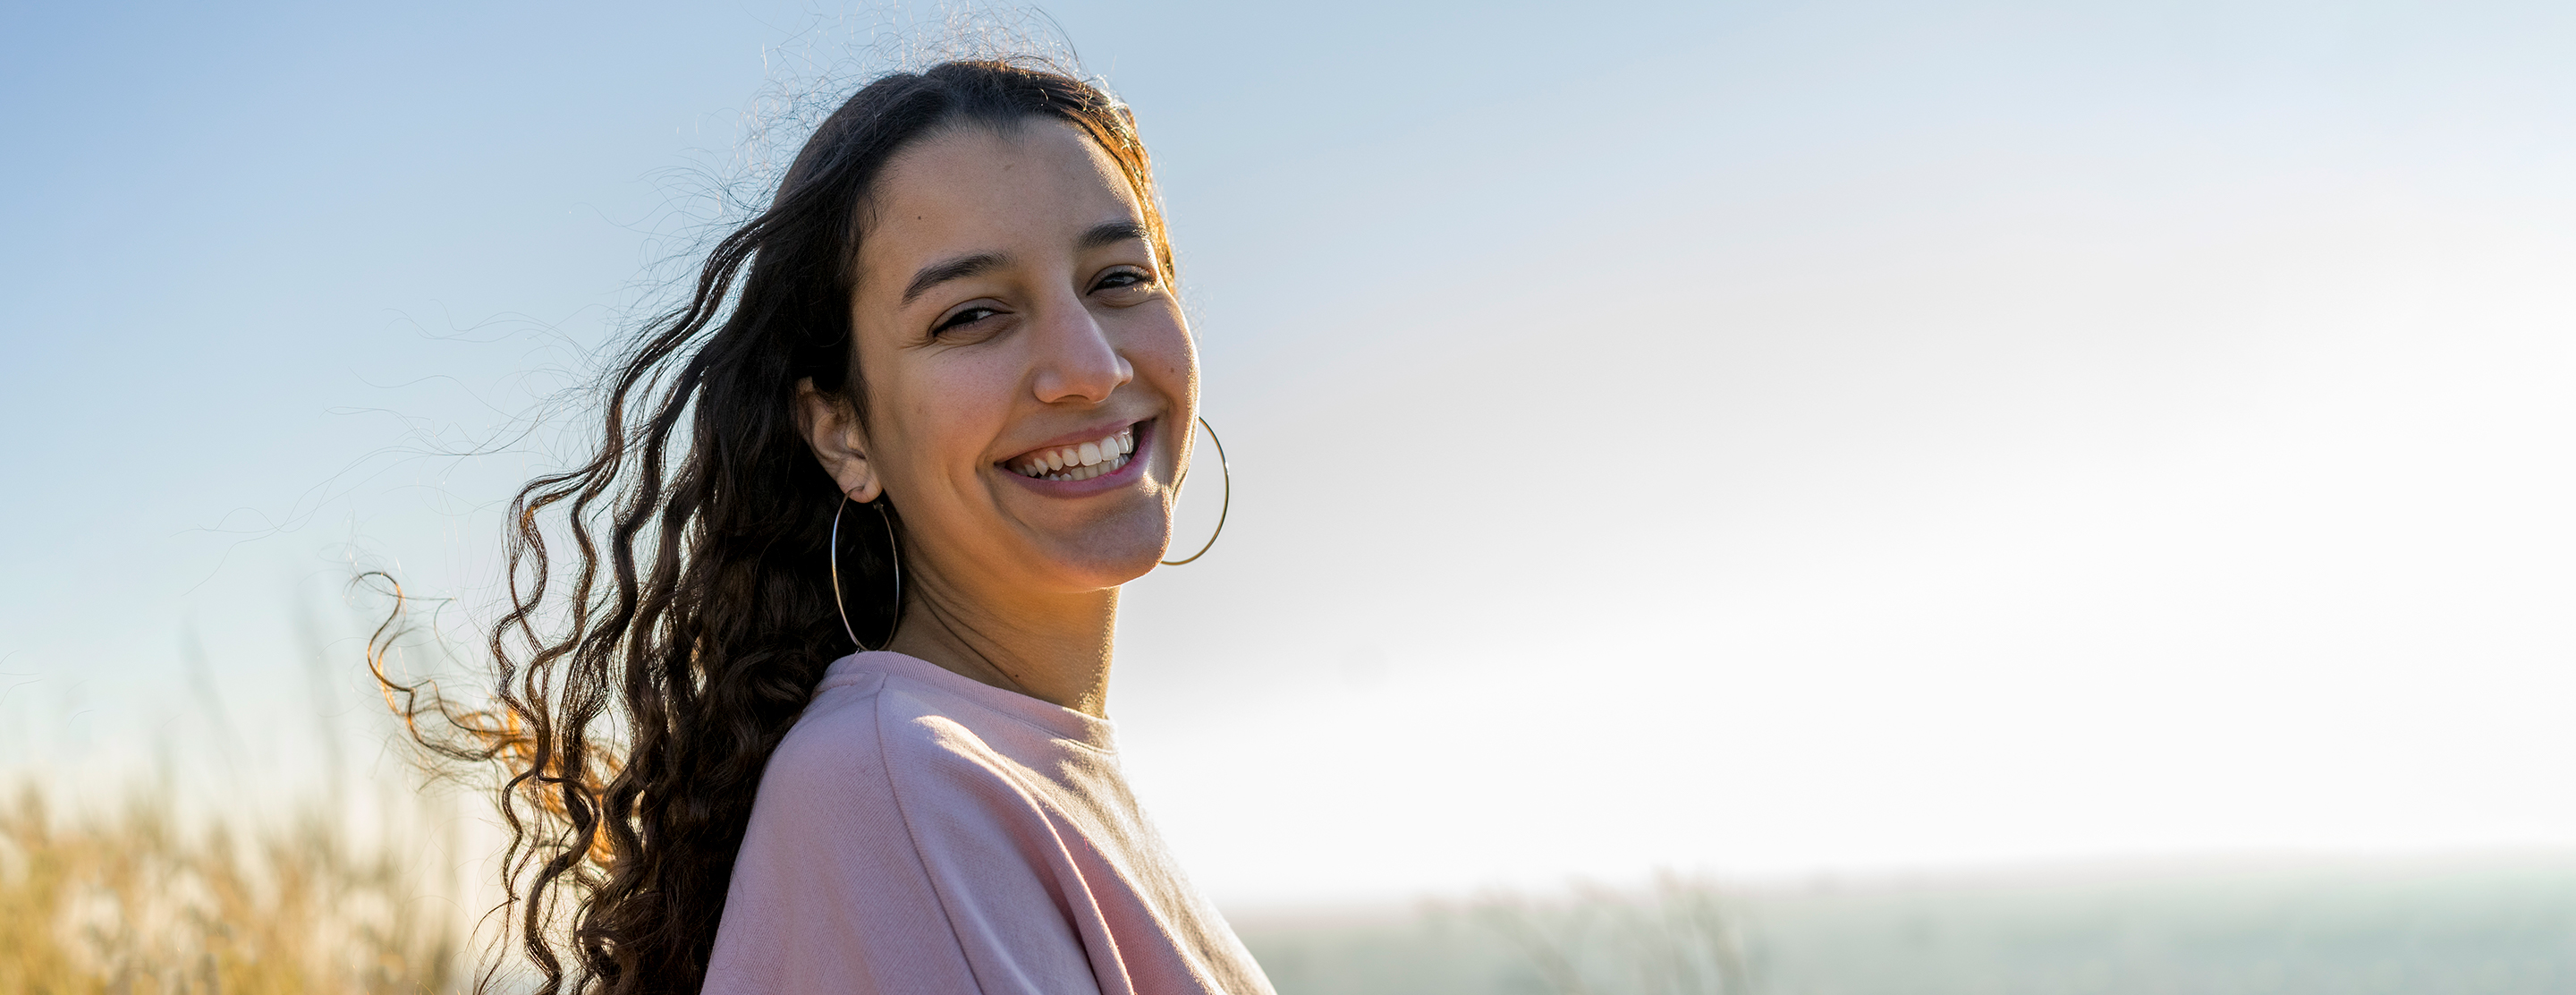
[{"x": 1731, "y": 496}]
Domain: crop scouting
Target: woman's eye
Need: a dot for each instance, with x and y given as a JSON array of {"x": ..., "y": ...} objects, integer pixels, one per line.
[
  {"x": 963, "y": 318},
  {"x": 1123, "y": 279}
]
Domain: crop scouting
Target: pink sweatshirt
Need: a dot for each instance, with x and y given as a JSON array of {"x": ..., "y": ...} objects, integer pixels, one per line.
[{"x": 921, "y": 833}]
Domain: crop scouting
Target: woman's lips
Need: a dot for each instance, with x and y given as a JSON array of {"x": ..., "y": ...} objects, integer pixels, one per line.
[{"x": 1082, "y": 461}]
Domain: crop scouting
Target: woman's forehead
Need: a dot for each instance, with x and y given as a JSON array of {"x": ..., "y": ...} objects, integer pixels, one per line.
[{"x": 1036, "y": 185}]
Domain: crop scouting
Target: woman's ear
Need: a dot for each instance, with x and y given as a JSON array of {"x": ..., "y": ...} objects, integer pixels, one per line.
[{"x": 831, "y": 427}]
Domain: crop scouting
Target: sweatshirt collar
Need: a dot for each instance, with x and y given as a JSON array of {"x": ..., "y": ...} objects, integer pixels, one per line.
[{"x": 1054, "y": 719}]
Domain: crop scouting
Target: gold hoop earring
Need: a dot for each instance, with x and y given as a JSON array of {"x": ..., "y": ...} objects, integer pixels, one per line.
[
  {"x": 1222, "y": 468},
  {"x": 893, "y": 549}
]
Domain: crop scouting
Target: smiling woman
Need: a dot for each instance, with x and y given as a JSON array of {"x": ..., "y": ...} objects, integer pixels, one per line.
[{"x": 958, "y": 313}]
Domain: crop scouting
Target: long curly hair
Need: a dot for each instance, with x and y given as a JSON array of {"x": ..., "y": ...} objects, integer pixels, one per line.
[{"x": 641, "y": 686}]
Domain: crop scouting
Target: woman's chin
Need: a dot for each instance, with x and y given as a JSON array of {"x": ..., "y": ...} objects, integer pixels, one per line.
[{"x": 1108, "y": 553}]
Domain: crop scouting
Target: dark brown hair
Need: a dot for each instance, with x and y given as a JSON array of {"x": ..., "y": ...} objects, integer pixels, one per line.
[{"x": 641, "y": 691}]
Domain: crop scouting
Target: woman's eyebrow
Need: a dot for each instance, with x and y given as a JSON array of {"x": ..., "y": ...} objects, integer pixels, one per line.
[
  {"x": 1112, "y": 233},
  {"x": 953, "y": 269},
  {"x": 1105, "y": 233}
]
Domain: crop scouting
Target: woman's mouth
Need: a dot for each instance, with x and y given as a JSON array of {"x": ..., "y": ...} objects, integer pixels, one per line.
[{"x": 1082, "y": 462}]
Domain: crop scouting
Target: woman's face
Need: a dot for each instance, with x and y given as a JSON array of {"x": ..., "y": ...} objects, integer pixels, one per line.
[{"x": 1030, "y": 379}]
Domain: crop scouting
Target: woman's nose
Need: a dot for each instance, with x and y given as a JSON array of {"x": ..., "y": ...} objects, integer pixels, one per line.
[{"x": 1076, "y": 360}]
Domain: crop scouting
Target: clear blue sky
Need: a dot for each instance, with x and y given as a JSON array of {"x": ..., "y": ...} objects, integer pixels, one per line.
[{"x": 1765, "y": 438}]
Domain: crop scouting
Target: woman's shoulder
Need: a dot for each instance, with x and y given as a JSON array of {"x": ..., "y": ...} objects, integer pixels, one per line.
[
  {"x": 879, "y": 853},
  {"x": 876, "y": 729}
]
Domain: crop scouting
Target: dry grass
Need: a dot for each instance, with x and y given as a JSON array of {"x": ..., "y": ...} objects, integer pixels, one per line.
[
  {"x": 131, "y": 903},
  {"x": 1680, "y": 938}
]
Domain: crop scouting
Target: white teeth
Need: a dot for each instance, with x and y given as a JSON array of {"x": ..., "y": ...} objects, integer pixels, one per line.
[
  {"x": 1083, "y": 462},
  {"x": 1094, "y": 470}
]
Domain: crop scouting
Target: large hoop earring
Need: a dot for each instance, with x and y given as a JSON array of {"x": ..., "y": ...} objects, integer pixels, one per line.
[
  {"x": 893, "y": 548},
  {"x": 1221, "y": 467}
]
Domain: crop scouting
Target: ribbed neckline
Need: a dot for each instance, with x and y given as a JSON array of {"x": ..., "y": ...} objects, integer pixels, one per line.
[{"x": 1048, "y": 717}]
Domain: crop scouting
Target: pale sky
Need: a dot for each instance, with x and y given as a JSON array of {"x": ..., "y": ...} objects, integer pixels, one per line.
[{"x": 1756, "y": 439}]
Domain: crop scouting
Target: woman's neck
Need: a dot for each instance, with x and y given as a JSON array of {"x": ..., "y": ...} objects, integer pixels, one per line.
[{"x": 1054, "y": 648}]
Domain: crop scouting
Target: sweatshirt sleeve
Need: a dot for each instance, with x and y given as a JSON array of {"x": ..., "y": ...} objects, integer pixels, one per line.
[{"x": 882, "y": 859}]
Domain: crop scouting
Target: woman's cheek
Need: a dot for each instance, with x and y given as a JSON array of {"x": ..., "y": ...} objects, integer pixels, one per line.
[
  {"x": 1172, "y": 355},
  {"x": 966, "y": 404}
]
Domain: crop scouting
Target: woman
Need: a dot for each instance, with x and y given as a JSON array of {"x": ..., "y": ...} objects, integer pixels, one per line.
[{"x": 938, "y": 420}]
